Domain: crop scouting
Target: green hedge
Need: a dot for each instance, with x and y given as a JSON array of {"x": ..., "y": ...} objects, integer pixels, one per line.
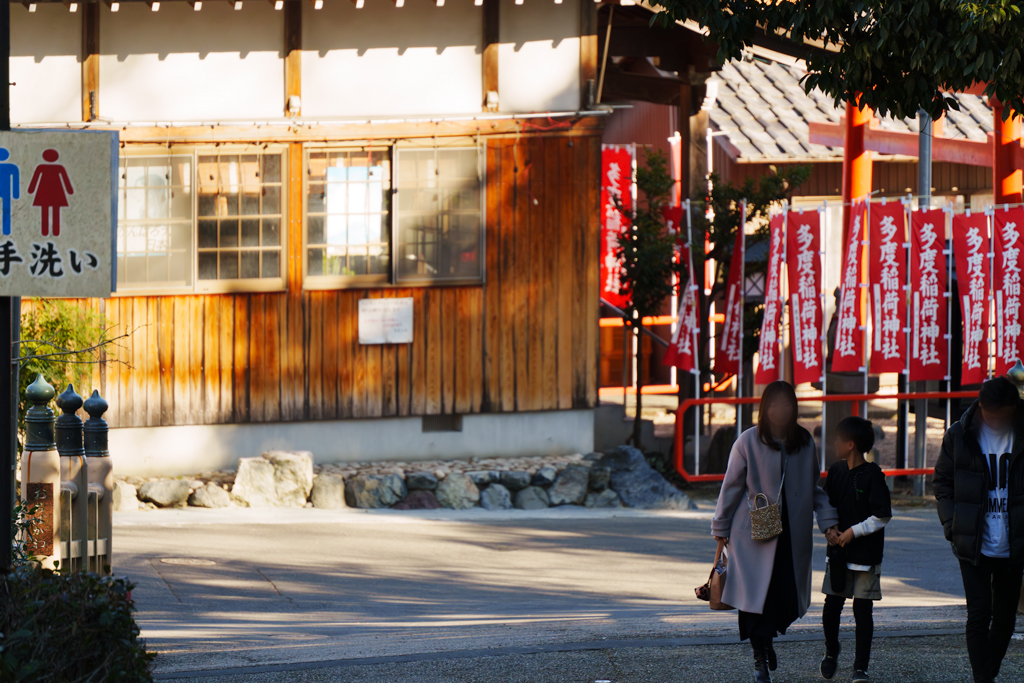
[{"x": 69, "y": 628}]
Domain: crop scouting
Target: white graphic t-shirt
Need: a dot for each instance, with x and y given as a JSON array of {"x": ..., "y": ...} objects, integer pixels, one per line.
[{"x": 995, "y": 535}]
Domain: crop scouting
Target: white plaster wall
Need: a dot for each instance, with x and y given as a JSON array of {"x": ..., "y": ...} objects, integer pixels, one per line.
[
  {"x": 173, "y": 451},
  {"x": 45, "y": 66},
  {"x": 181, "y": 65},
  {"x": 539, "y": 57},
  {"x": 381, "y": 60}
]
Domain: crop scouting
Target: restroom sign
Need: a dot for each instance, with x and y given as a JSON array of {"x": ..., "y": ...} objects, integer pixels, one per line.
[{"x": 58, "y": 213}]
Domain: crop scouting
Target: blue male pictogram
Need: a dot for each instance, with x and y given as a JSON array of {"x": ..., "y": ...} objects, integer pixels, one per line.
[{"x": 10, "y": 183}]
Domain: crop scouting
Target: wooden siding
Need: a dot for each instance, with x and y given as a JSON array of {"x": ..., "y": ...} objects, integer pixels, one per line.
[{"x": 525, "y": 340}]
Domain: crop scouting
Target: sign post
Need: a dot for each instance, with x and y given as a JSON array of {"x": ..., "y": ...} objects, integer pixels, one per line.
[{"x": 58, "y": 228}]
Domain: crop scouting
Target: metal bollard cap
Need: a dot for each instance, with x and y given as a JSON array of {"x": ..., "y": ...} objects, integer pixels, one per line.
[
  {"x": 69, "y": 425},
  {"x": 39, "y": 419},
  {"x": 96, "y": 428}
]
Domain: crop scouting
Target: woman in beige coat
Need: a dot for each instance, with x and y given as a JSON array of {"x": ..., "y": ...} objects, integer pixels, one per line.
[{"x": 769, "y": 601}]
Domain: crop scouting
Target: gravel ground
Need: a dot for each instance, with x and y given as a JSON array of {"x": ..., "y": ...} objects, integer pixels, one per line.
[{"x": 927, "y": 659}]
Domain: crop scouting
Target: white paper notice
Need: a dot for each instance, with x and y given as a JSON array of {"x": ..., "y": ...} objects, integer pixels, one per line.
[{"x": 385, "y": 321}]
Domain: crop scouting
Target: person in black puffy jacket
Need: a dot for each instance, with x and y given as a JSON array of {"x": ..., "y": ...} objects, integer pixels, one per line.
[{"x": 979, "y": 488}]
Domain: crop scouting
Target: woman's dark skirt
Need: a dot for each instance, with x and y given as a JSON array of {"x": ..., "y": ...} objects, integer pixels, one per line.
[{"x": 780, "y": 605}]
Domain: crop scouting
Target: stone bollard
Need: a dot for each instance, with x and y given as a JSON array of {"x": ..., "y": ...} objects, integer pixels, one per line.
[
  {"x": 101, "y": 482},
  {"x": 40, "y": 473},
  {"x": 74, "y": 477}
]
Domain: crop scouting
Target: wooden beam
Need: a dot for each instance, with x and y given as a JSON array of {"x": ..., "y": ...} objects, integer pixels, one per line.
[
  {"x": 970, "y": 152},
  {"x": 588, "y": 53},
  {"x": 293, "y": 57},
  {"x": 492, "y": 39},
  {"x": 90, "y": 61},
  {"x": 685, "y": 110},
  {"x": 588, "y": 125}
]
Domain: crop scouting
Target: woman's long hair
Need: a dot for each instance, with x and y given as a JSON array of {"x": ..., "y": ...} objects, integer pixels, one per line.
[{"x": 796, "y": 436}]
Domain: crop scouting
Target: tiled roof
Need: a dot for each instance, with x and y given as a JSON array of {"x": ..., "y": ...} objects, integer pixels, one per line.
[{"x": 763, "y": 110}]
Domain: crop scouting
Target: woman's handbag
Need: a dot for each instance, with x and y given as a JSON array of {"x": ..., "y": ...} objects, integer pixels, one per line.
[
  {"x": 711, "y": 591},
  {"x": 766, "y": 520}
]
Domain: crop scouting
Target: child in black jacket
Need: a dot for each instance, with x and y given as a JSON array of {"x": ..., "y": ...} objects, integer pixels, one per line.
[{"x": 857, "y": 490}]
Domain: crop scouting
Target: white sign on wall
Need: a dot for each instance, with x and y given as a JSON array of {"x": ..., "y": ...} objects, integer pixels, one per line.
[
  {"x": 385, "y": 321},
  {"x": 58, "y": 208}
]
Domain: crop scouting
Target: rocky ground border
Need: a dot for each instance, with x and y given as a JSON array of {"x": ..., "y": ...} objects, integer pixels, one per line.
[{"x": 622, "y": 478}]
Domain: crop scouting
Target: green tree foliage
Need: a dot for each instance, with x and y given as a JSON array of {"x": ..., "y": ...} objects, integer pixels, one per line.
[
  {"x": 49, "y": 329},
  {"x": 899, "y": 56},
  {"x": 647, "y": 252},
  {"x": 762, "y": 194}
]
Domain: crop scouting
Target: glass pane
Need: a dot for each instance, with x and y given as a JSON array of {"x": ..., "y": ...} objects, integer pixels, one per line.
[
  {"x": 207, "y": 234},
  {"x": 157, "y": 268},
  {"x": 316, "y": 167},
  {"x": 181, "y": 236},
  {"x": 207, "y": 265},
  {"x": 180, "y": 266},
  {"x": 271, "y": 168},
  {"x": 158, "y": 238},
  {"x": 250, "y": 204},
  {"x": 271, "y": 200},
  {"x": 181, "y": 203},
  {"x": 251, "y": 233},
  {"x": 158, "y": 201},
  {"x": 227, "y": 204},
  {"x": 229, "y": 265},
  {"x": 271, "y": 232},
  {"x": 135, "y": 268},
  {"x": 250, "y": 264},
  {"x": 135, "y": 239},
  {"x": 207, "y": 205},
  {"x": 135, "y": 203},
  {"x": 337, "y": 231},
  {"x": 315, "y": 265},
  {"x": 357, "y": 232},
  {"x": 228, "y": 234},
  {"x": 357, "y": 261},
  {"x": 315, "y": 202},
  {"x": 315, "y": 230},
  {"x": 271, "y": 263}
]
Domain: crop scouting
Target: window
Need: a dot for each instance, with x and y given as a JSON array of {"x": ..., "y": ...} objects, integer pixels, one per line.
[
  {"x": 200, "y": 221},
  {"x": 347, "y": 206},
  {"x": 154, "y": 228},
  {"x": 239, "y": 216},
  {"x": 432, "y": 233},
  {"x": 440, "y": 216}
]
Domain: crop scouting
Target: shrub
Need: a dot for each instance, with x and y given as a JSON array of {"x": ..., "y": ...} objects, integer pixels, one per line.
[{"x": 68, "y": 628}]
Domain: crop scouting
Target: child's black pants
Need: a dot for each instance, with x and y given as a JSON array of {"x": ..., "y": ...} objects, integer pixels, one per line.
[{"x": 865, "y": 627}]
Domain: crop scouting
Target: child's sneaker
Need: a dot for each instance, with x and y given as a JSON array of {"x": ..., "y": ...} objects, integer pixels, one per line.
[
  {"x": 829, "y": 664},
  {"x": 861, "y": 676}
]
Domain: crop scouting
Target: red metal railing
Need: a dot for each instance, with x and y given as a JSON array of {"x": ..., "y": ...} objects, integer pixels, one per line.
[{"x": 677, "y": 447}]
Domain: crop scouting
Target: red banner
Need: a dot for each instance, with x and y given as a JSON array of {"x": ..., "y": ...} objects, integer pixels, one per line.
[
  {"x": 970, "y": 248},
  {"x": 929, "y": 346},
  {"x": 888, "y": 279},
  {"x": 848, "y": 355},
  {"x": 1008, "y": 233},
  {"x": 803, "y": 258},
  {"x": 616, "y": 184},
  {"x": 682, "y": 352},
  {"x": 730, "y": 351},
  {"x": 768, "y": 351}
]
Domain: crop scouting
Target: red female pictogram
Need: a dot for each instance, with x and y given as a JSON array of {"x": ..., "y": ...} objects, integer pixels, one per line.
[{"x": 49, "y": 184}]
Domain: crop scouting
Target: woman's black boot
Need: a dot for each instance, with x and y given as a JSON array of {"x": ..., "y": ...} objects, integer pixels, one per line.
[
  {"x": 773, "y": 660},
  {"x": 761, "y": 674}
]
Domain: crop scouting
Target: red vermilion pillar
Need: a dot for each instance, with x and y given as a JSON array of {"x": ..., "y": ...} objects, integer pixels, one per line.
[
  {"x": 856, "y": 159},
  {"x": 1006, "y": 177}
]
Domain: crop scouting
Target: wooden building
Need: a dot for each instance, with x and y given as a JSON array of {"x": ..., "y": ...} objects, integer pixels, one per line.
[{"x": 282, "y": 161}]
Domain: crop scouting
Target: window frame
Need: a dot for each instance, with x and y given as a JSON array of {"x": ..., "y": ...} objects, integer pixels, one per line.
[
  {"x": 480, "y": 278},
  {"x": 391, "y": 280},
  {"x": 332, "y": 282},
  {"x": 200, "y": 287}
]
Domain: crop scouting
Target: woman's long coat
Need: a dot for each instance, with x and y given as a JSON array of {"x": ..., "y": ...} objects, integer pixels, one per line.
[{"x": 755, "y": 468}]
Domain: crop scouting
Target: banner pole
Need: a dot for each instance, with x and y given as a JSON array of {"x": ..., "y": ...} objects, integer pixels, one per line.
[
  {"x": 783, "y": 292},
  {"x": 949, "y": 319},
  {"x": 865, "y": 256},
  {"x": 822, "y": 254},
  {"x": 739, "y": 294},
  {"x": 908, "y": 253},
  {"x": 993, "y": 329},
  {"x": 696, "y": 338}
]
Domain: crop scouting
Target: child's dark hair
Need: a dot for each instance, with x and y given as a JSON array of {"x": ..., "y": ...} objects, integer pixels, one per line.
[
  {"x": 858, "y": 430},
  {"x": 998, "y": 392}
]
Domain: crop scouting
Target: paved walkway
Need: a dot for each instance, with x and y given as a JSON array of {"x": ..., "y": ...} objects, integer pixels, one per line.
[{"x": 282, "y": 588}]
